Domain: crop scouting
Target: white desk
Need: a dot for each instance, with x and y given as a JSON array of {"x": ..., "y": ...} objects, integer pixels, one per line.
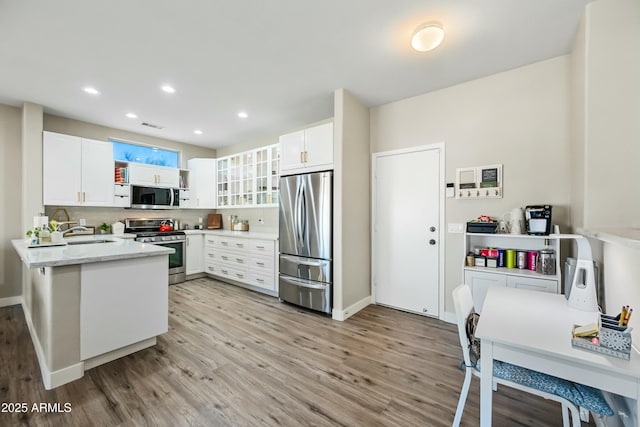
[{"x": 533, "y": 330}]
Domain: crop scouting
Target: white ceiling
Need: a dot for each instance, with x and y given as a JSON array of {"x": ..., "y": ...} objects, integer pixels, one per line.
[{"x": 279, "y": 60}]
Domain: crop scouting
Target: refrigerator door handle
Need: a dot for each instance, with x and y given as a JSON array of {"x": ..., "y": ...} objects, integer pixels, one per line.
[
  {"x": 302, "y": 261},
  {"x": 298, "y": 218},
  {"x": 304, "y": 284}
]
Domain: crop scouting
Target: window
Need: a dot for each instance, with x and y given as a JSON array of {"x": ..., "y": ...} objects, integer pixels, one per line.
[{"x": 127, "y": 152}]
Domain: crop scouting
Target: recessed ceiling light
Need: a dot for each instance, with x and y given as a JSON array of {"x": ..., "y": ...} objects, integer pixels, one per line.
[
  {"x": 243, "y": 115},
  {"x": 197, "y": 132},
  {"x": 427, "y": 37},
  {"x": 91, "y": 90},
  {"x": 168, "y": 89},
  {"x": 131, "y": 116}
]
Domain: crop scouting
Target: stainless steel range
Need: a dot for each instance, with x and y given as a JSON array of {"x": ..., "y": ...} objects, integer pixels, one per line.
[{"x": 159, "y": 231}]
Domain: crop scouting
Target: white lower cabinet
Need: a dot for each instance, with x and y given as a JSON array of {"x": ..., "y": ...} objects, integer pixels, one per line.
[
  {"x": 195, "y": 249},
  {"x": 480, "y": 282},
  {"x": 247, "y": 261}
]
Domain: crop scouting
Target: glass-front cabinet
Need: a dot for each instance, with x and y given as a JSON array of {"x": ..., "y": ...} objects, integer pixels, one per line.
[
  {"x": 223, "y": 181},
  {"x": 267, "y": 163},
  {"x": 250, "y": 178}
]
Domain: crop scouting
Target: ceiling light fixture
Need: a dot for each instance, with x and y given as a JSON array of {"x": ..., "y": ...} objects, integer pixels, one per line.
[
  {"x": 131, "y": 115},
  {"x": 168, "y": 89},
  {"x": 91, "y": 90},
  {"x": 427, "y": 37},
  {"x": 197, "y": 132},
  {"x": 243, "y": 115}
]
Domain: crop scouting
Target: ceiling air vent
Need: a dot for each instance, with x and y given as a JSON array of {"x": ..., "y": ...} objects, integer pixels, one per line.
[{"x": 151, "y": 125}]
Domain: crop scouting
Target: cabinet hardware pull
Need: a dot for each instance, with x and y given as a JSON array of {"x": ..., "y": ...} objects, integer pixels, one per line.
[
  {"x": 240, "y": 275},
  {"x": 261, "y": 264},
  {"x": 260, "y": 280},
  {"x": 78, "y": 196},
  {"x": 225, "y": 271},
  {"x": 260, "y": 247},
  {"x": 301, "y": 157},
  {"x": 84, "y": 196},
  {"x": 225, "y": 257},
  {"x": 239, "y": 259},
  {"x": 210, "y": 255},
  {"x": 240, "y": 245},
  {"x": 224, "y": 243},
  {"x": 305, "y": 157},
  {"x": 210, "y": 268}
]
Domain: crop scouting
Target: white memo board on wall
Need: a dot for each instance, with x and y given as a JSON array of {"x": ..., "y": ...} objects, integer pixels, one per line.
[{"x": 479, "y": 182}]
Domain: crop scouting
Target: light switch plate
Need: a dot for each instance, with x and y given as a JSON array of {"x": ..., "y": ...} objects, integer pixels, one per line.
[{"x": 455, "y": 228}]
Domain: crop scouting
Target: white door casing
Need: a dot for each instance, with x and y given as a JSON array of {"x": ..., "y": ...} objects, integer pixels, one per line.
[{"x": 408, "y": 255}]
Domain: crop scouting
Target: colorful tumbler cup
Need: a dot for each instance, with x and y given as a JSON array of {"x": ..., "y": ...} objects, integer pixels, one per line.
[{"x": 511, "y": 258}]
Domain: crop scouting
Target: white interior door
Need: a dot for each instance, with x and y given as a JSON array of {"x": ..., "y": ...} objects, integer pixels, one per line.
[{"x": 406, "y": 252}]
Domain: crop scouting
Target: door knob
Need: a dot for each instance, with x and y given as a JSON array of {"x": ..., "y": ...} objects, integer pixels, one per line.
[
  {"x": 432, "y": 242},
  {"x": 432, "y": 229}
]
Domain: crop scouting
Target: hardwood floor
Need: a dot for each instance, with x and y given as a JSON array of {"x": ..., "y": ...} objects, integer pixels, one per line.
[{"x": 233, "y": 357}]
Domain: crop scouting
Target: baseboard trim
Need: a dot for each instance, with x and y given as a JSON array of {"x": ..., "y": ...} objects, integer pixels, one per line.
[
  {"x": 8, "y": 301},
  {"x": 343, "y": 315},
  {"x": 448, "y": 317},
  {"x": 117, "y": 354},
  {"x": 51, "y": 379}
]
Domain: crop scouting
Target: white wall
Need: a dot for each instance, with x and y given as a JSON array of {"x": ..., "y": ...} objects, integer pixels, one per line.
[
  {"x": 352, "y": 205},
  {"x": 10, "y": 200},
  {"x": 519, "y": 118},
  {"x": 612, "y": 108}
]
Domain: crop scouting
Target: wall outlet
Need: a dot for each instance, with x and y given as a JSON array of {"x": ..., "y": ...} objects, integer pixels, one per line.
[
  {"x": 261, "y": 221},
  {"x": 199, "y": 220},
  {"x": 82, "y": 222}
]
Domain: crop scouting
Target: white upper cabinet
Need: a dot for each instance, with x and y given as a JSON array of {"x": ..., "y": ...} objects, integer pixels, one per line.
[
  {"x": 76, "y": 171},
  {"x": 202, "y": 183},
  {"x": 307, "y": 150},
  {"x": 153, "y": 176}
]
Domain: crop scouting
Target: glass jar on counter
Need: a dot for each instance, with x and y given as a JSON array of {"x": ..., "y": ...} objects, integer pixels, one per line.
[{"x": 546, "y": 262}]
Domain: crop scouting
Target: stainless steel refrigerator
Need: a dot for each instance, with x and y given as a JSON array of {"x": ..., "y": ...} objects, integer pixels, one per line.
[{"x": 306, "y": 251}]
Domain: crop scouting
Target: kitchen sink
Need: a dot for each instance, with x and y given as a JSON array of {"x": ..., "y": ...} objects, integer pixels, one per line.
[{"x": 87, "y": 242}]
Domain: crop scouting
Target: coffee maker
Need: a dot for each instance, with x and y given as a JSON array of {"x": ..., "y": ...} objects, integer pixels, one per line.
[{"x": 538, "y": 220}]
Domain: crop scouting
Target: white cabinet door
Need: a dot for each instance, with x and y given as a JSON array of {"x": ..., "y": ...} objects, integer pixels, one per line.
[
  {"x": 195, "y": 254},
  {"x": 62, "y": 169},
  {"x": 480, "y": 282},
  {"x": 202, "y": 183},
  {"x": 153, "y": 176},
  {"x": 319, "y": 146},
  {"x": 307, "y": 150},
  {"x": 292, "y": 151},
  {"x": 168, "y": 177},
  {"x": 97, "y": 173}
]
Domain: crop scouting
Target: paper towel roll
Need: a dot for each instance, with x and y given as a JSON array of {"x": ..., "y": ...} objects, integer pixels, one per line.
[{"x": 40, "y": 221}]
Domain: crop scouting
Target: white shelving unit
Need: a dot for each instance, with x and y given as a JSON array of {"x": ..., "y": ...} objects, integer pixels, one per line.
[{"x": 482, "y": 278}]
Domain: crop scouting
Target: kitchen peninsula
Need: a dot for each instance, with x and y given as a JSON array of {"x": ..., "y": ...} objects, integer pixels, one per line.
[{"x": 91, "y": 301}]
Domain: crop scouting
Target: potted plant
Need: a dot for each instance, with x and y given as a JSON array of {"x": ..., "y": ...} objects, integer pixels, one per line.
[{"x": 104, "y": 228}]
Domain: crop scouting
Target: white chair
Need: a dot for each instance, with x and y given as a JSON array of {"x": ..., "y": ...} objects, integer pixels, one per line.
[{"x": 463, "y": 303}]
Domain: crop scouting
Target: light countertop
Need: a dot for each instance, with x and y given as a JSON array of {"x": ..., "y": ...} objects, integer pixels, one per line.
[
  {"x": 629, "y": 237},
  {"x": 243, "y": 234},
  {"x": 116, "y": 249}
]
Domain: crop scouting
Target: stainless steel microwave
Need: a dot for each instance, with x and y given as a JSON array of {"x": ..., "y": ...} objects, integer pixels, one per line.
[{"x": 154, "y": 197}]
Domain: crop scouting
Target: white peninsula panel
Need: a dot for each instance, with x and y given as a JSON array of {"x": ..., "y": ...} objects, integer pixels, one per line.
[{"x": 118, "y": 313}]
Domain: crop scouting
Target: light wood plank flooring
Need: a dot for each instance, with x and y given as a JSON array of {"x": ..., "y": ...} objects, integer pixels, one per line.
[{"x": 233, "y": 357}]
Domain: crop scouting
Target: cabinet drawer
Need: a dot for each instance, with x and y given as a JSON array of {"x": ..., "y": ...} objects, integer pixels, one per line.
[
  {"x": 241, "y": 245},
  {"x": 121, "y": 190},
  {"x": 532, "y": 283},
  {"x": 266, "y": 281},
  {"x": 261, "y": 247},
  {"x": 262, "y": 265},
  {"x": 235, "y": 259},
  {"x": 121, "y": 201},
  {"x": 231, "y": 273},
  {"x": 211, "y": 268}
]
